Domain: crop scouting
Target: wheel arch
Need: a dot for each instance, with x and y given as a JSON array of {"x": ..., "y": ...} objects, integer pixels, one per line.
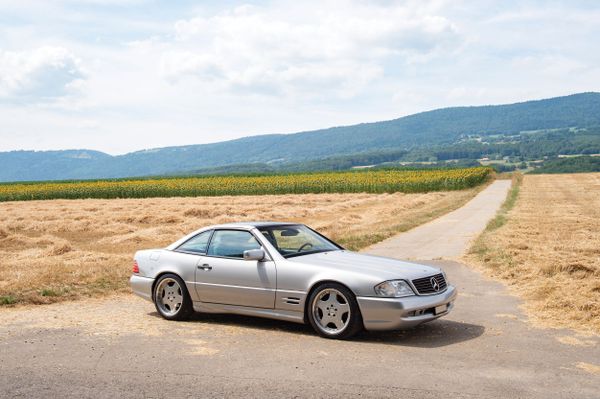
[
  {"x": 314, "y": 287},
  {"x": 186, "y": 309},
  {"x": 159, "y": 275}
]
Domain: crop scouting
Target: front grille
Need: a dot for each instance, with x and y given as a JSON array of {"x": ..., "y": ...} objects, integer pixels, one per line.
[{"x": 425, "y": 285}]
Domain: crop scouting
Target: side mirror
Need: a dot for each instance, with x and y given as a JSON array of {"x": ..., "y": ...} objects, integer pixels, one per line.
[{"x": 254, "y": 254}]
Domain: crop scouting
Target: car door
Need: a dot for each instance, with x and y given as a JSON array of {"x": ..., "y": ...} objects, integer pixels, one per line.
[
  {"x": 188, "y": 256},
  {"x": 224, "y": 277}
]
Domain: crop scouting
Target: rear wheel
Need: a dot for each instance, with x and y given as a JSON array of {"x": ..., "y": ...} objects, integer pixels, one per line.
[
  {"x": 333, "y": 311},
  {"x": 171, "y": 298}
]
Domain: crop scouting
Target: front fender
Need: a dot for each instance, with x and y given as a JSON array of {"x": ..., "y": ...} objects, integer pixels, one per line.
[{"x": 359, "y": 284}]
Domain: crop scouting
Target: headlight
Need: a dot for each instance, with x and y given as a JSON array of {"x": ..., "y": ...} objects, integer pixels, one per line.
[{"x": 394, "y": 289}]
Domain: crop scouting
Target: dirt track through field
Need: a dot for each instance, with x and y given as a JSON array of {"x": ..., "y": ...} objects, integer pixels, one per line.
[
  {"x": 119, "y": 347},
  {"x": 449, "y": 236}
]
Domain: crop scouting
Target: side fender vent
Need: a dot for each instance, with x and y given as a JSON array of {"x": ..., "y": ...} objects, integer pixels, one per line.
[{"x": 292, "y": 300}]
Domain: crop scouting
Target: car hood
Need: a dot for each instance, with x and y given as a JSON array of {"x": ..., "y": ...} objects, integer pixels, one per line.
[{"x": 385, "y": 268}]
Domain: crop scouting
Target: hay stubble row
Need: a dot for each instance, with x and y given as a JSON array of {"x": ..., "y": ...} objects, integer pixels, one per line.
[
  {"x": 549, "y": 250},
  {"x": 64, "y": 249}
]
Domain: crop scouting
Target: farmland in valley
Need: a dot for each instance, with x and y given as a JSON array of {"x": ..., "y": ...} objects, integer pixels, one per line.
[
  {"x": 63, "y": 249},
  {"x": 376, "y": 181}
]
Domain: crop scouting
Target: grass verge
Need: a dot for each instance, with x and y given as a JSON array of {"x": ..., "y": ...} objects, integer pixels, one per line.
[{"x": 479, "y": 246}]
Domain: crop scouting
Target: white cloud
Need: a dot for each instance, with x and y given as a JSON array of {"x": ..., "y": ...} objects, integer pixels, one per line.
[
  {"x": 337, "y": 49},
  {"x": 551, "y": 66},
  {"x": 39, "y": 74}
]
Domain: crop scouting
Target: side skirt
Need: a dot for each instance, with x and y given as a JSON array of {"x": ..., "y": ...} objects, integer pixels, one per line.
[{"x": 278, "y": 314}]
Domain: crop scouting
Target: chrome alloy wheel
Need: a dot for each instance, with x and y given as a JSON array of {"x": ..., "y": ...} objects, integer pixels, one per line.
[
  {"x": 331, "y": 311},
  {"x": 169, "y": 296}
]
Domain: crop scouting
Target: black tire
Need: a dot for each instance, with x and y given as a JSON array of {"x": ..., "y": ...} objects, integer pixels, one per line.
[
  {"x": 181, "y": 312},
  {"x": 353, "y": 322}
]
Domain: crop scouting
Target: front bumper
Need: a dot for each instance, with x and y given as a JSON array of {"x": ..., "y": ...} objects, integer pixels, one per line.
[
  {"x": 141, "y": 286},
  {"x": 399, "y": 313}
]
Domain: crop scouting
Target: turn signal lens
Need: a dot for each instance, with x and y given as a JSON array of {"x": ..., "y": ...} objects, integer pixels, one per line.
[{"x": 136, "y": 268}]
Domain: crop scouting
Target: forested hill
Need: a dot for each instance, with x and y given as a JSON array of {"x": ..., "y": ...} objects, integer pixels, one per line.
[{"x": 440, "y": 127}]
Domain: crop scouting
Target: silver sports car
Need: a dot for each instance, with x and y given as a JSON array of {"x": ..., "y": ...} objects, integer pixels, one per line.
[{"x": 290, "y": 272}]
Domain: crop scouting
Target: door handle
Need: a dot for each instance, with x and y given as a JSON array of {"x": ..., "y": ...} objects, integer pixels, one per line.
[{"x": 205, "y": 266}]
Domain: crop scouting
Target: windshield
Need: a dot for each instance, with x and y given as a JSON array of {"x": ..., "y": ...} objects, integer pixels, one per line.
[{"x": 296, "y": 240}]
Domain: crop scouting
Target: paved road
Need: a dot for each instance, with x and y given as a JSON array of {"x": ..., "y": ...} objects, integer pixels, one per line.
[
  {"x": 119, "y": 347},
  {"x": 449, "y": 236}
]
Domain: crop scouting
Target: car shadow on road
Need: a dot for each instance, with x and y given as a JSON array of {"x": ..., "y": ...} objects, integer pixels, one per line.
[
  {"x": 435, "y": 334},
  {"x": 252, "y": 323}
]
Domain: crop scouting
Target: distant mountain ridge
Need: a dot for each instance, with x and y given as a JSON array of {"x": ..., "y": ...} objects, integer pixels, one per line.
[{"x": 432, "y": 128}]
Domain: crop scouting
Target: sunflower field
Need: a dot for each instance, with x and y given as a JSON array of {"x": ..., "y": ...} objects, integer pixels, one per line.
[{"x": 369, "y": 181}]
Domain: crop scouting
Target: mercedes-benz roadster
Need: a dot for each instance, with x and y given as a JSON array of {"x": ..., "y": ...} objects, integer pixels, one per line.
[{"x": 290, "y": 272}]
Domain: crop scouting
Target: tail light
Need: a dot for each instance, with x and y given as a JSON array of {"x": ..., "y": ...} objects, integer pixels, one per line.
[{"x": 136, "y": 268}]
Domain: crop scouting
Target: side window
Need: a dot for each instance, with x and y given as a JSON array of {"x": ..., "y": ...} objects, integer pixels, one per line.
[
  {"x": 232, "y": 243},
  {"x": 196, "y": 244}
]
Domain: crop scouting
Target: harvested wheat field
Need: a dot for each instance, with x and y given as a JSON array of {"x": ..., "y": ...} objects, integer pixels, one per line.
[
  {"x": 64, "y": 249},
  {"x": 548, "y": 249}
]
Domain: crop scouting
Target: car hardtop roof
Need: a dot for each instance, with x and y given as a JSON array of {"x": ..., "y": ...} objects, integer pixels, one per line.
[{"x": 248, "y": 225}]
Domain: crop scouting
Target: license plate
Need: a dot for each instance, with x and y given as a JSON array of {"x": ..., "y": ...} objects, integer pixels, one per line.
[{"x": 441, "y": 309}]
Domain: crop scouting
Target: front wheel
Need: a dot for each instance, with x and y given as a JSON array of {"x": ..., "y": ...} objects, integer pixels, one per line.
[
  {"x": 333, "y": 312},
  {"x": 171, "y": 298}
]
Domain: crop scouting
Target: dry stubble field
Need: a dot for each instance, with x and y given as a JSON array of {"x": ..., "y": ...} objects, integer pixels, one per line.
[
  {"x": 64, "y": 249},
  {"x": 549, "y": 249}
]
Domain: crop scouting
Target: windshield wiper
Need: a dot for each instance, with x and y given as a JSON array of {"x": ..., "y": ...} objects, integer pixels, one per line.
[{"x": 317, "y": 251}]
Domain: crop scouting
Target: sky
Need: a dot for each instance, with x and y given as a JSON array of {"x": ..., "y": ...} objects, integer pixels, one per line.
[{"x": 124, "y": 75}]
